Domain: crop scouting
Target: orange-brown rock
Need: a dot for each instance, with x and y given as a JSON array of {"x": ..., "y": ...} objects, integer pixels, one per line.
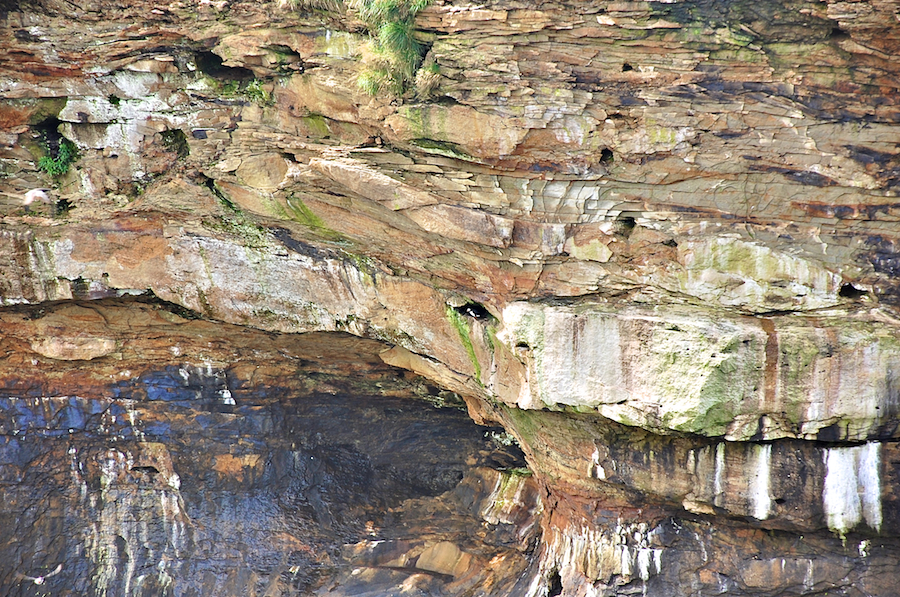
[{"x": 656, "y": 241}]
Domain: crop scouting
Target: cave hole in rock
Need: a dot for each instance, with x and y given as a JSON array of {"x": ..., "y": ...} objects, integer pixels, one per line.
[
  {"x": 327, "y": 451},
  {"x": 46, "y": 132},
  {"x": 175, "y": 140},
  {"x": 22, "y": 35},
  {"x": 554, "y": 584},
  {"x": 625, "y": 225},
  {"x": 63, "y": 207},
  {"x": 289, "y": 61},
  {"x": 627, "y": 67},
  {"x": 475, "y": 310},
  {"x": 851, "y": 292},
  {"x": 838, "y": 34},
  {"x": 606, "y": 156},
  {"x": 291, "y": 157},
  {"x": 211, "y": 65}
]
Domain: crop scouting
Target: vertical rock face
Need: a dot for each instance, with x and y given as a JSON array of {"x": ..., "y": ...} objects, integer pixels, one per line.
[
  {"x": 226, "y": 461},
  {"x": 656, "y": 242}
]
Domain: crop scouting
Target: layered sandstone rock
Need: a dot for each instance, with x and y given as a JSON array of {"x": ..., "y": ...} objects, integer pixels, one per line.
[{"x": 656, "y": 241}]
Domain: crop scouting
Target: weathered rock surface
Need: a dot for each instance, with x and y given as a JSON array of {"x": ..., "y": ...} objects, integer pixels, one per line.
[
  {"x": 201, "y": 459},
  {"x": 656, "y": 241}
]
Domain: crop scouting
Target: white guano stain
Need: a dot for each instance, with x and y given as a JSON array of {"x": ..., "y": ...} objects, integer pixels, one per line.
[
  {"x": 596, "y": 471},
  {"x": 852, "y": 489},
  {"x": 719, "y": 477},
  {"x": 599, "y": 555},
  {"x": 809, "y": 580},
  {"x": 760, "y": 498}
]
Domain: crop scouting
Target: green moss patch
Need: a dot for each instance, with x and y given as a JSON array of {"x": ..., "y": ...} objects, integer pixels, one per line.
[{"x": 461, "y": 325}]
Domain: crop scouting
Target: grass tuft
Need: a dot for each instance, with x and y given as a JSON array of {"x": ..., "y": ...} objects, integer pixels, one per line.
[
  {"x": 459, "y": 323},
  {"x": 394, "y": 54},
  {"x": 394, "y": 46}
]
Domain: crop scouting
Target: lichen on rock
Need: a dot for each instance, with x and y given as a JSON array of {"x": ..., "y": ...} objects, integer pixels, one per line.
[{"x": 656, "y": 242}]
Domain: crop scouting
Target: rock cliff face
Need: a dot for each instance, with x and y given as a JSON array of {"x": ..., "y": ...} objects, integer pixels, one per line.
[{"x": 652, "y": 246}]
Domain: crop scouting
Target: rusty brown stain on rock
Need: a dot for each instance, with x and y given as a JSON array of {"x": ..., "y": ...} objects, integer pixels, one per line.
[{"x": 770, "y": 369}]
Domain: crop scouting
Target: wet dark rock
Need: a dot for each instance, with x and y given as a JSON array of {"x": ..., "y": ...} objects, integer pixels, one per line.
[{"x": 181, "y": 480}]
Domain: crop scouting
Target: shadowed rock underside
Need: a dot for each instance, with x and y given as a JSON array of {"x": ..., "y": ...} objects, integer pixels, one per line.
[{"x": 652, "y": 247}]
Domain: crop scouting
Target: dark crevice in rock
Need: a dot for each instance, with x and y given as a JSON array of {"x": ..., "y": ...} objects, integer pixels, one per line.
[
  {"x": 837, "y": 34},
  {"x": 475, "y": 310},
  {"x": 212, "y": 65},
  {"x": 300, "y": 453},
  {"x": 554, "y": 584},
  {"x": 625, "y": 225},
  {"x": 176, "y": 141},
  {"x": 851, "y": 292},
  {"x": 48, "y": 135},
  {"x": 606, "y": 156}
]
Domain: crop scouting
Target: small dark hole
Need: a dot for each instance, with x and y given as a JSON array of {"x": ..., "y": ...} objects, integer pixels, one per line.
[
  {"x": 554, "y": 584},
  {"x": 212, "y": 65},
  {"x": 851, "y": 292},
  {"x": 48, "y": 133},
  {"x": 63, "y": 206},
  {"x": 779, "y": 501},
  {"x": 606, "y": 155},
  {"x": 176, "y": 141},
  {"x": 839, "y": 34},
  {"x": 26, "y": 36},
  {"x": 522, "y": 345},
  {"x": 627, "y": 67},
  {"x": 474, "y": 310},
  {"x": 146, "y": 469},
  {"x": 626, "y": 225},
  {"x": 670, "y": 243}
]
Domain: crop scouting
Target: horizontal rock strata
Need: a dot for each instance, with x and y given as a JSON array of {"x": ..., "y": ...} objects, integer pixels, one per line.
[{"x": 656, "y": 241}]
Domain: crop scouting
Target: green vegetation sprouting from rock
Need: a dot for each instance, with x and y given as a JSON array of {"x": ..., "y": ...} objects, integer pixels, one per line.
[
  {"x": 257, "y": 94},
  {"x": 65, "y": 157},
  {"x": 394, "y": 52},
  {"x": 253, "y": 90},
  {"x": 393, "y": 56},
  {"x": 332, "y": 6},
  {"x": 235, "y": 222},
  {"x": 300, "y": 212}
]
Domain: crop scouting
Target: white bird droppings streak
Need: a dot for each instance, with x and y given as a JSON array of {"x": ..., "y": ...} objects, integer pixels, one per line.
[
  {"x": 852, "y": 489},
  {"x": 760, "y": 500},
  {"x": 720, "y": 474}
]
